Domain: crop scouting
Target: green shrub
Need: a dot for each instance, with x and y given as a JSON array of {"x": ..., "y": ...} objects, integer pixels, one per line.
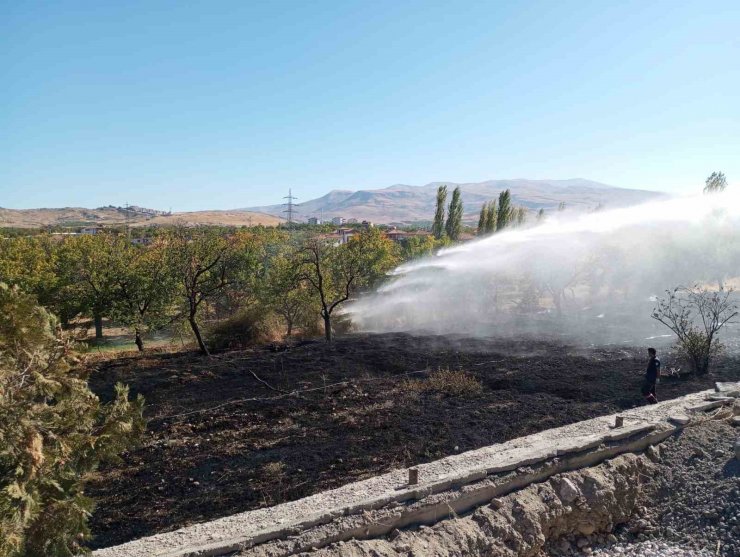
[{"x": 53, "y": 432}]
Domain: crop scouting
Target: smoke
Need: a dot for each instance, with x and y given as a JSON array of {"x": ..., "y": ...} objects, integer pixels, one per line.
[{"x": 591, "y": 278}]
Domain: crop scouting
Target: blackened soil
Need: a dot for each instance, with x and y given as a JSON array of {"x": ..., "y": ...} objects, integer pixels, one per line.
[{"x": 220, "y": 441}]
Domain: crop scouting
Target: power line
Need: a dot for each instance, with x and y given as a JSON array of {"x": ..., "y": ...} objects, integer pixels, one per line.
[{"x": 290, "y": 207}]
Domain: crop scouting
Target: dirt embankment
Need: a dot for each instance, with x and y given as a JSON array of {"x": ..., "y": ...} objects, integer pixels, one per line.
[
  {"x": 678, "y": 499},
  {"x": 250, "y": 429}
]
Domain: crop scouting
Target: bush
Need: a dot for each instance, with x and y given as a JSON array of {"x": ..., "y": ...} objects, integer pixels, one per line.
[
  {"x": 448, "y": 382},
  {"x": 244, "y": 329},
  {"x": 53, "y": 432},
  {"x": 696, "y": 315}
]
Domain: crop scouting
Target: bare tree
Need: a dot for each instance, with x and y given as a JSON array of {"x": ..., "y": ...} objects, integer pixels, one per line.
[{"x": 696, "y": 315}]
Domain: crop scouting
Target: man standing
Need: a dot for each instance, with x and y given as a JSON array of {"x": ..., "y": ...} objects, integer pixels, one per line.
[{"x": 651, "y": 377}]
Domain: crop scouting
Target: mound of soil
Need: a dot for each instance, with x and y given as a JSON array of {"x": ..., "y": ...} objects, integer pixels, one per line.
[{"x": 249, "y": 429}]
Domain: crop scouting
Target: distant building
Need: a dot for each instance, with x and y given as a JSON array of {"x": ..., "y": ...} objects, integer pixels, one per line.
[
  {"x": 141, "y": 241},
  {"x": 338, "y": 221},
  {"x": 367, "y": 224},
  {"x": 352, "y": 221},
  {"x": 399, "y": 236},
  {"x": 90, "y": 230},
  {"x": 314, "y": 220}
]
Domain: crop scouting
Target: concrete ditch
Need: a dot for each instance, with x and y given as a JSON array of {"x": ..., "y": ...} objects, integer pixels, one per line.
[{"x": 450, "y": 487}]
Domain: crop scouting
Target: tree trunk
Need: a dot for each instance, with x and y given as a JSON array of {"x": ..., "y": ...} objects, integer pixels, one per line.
[
  {"x": 98, "y": 319},
  {"x": 327, "y": 327},
  {"x": 198, "y": 337},
  {"x": 139, "y": 341}
]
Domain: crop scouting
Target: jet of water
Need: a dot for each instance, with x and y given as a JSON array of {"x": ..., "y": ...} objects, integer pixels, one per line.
[{"x": 593, "y": 277}]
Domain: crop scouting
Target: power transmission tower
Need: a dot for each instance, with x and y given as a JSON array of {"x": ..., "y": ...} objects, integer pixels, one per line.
[{"x": 290, "y": 207}]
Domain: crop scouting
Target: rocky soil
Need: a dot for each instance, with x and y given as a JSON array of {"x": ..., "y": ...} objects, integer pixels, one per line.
[{"x": 692, "y": 503}]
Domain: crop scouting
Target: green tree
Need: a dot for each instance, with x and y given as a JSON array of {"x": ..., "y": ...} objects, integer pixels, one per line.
[
  {"x": 336, "y": 272},
  {"x": 418, "y": 246},
  {"x": 503, "y": 218},
  {"x": 491, "y": 217},
  {"x": 31, "y": 264},
  {"x": 482, "y": 219},
  {"x": 439, "y": 215},
  {"x": 521, "y": 215},
  {"x": 53, "y": 433},
  {"x": 453, "y": 228},
  {"x": 143, "y": 289},
  {"x": 87, "y": 267},
  {"x": 716, "y": 182},
  {"x": 287, "y": 294},
  {"x": 205, "y": 262}
]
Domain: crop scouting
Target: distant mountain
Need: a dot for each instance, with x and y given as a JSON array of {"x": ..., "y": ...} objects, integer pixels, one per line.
[
  {"x": 406, "y": 204},
  {"x": 137, "y": 216}
]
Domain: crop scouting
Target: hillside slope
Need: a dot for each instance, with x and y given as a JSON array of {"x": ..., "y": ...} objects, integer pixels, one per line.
[
  {"x": 77, "y": 216},
  {"x": 402, "y": 203}
]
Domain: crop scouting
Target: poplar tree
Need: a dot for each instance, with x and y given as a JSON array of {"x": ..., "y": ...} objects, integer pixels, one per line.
[
  {"x": 483, "y": 219},
  {"x": 491, "y": 217},
  {"x": 439, "y": 215},
  {"x": 454, "y": 215},
  {"x": 504, "y": 210}
]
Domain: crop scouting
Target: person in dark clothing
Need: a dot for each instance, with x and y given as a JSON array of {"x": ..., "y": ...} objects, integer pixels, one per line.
[{"x": 652, "y": 373}]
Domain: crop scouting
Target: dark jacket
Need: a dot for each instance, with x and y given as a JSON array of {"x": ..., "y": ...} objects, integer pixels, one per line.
[{"x": 653, "y": 370}]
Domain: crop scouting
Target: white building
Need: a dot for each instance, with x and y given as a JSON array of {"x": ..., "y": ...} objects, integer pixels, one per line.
[
  {"x": 314, "y": 220},
  {"x": 338, "y": 221}
]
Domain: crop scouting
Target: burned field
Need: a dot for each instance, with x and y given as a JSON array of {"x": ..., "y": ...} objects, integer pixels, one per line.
[{"x": 249, "y": 429}]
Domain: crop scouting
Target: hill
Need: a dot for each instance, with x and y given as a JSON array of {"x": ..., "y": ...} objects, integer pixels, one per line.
[
  {"x": 77, "y": 216},
  {"x": 405, "y": 204}
]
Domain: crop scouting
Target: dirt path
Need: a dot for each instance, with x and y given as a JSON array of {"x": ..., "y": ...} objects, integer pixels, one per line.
[{"x": 226, "y": 437}]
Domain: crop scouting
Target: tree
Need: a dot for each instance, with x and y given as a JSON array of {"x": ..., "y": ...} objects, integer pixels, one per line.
[
  {"x": 336, "y": 272},
  {"x": 540, "y": 215},
  {"x": 286, "y": 293},
  {"x": 53, "y": 433},
  {"x": 491, "y": 217},
  {"x": 521, "y": 215},
  {"x": 87, "y": 266},
  {"x": 143, "y": 289},
  {"x": 439, "y": 215},
  {"x": 454, "y": 215},
  {"x": 504, "y": 210},
  {"x": 696, "y": 315},
  {"x": 204, "y": 263},
  {"x": 31, "y": 264},
  {"x": 561, "y": 206},
  {"x": 482, "y": 219},
  {"x": 715, "y": 183}
]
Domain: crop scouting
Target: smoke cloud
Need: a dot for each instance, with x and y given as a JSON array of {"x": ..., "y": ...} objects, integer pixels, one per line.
[{"x": 590, "y": 278}]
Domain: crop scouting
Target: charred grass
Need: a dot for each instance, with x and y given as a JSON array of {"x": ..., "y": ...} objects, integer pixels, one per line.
[{"x": 247, "y": 429}]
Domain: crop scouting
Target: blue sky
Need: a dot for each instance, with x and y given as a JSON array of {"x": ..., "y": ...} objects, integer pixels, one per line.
[{"x": 205, "y": 105}]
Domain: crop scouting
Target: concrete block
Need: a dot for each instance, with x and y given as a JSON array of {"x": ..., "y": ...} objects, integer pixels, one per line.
[{"x": 679, "y": 419}]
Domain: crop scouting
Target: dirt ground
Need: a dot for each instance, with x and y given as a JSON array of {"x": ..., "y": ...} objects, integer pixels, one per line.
[{"x": 248, "y": 429}]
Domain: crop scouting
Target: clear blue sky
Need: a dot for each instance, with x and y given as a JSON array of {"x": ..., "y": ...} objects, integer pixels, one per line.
[{"x": 199, "y": 105}]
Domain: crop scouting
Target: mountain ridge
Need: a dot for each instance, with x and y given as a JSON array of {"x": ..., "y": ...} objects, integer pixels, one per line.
[{"x": 403, "y": 204}]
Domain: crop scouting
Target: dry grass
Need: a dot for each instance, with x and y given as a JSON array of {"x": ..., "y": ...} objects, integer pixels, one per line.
[{"x": 448, "y": 382}]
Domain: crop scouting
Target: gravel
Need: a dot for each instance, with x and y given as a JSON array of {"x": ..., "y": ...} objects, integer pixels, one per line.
[{"x": 693, "y": 507}]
